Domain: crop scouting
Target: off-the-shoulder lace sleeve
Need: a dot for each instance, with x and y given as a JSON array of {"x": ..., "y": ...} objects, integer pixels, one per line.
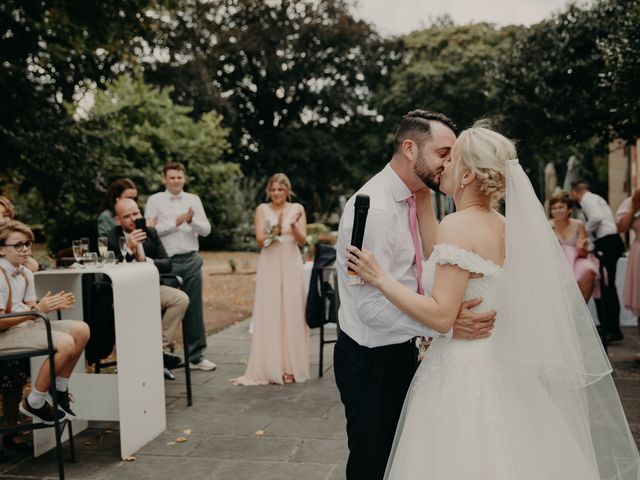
[{"x": 445, "y": 254}]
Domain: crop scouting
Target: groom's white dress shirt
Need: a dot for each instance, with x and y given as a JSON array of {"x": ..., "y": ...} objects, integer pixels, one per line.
[
  {"x": 600, "y": 219},
  {"x": 168, "y": 207},
  {"x": 365, "y": 314}
]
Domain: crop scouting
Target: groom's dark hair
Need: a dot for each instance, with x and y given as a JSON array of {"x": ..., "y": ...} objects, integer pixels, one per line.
[{"x": 416, "y": 126}]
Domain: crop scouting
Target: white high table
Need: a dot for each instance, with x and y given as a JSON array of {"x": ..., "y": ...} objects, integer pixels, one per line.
[{"x": 134, "y": 396}]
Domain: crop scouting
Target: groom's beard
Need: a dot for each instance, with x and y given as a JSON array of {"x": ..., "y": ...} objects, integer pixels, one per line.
[
  {"x": 429, "y": 178},
  {"x": 431, "y": 183}
]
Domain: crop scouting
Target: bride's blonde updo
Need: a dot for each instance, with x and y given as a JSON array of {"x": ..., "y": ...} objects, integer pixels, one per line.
[{"x": 485, "y": 152}]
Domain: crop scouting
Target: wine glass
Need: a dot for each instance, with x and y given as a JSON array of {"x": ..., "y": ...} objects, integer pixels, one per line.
[
  {"x": 85, "y": 244},
  {"x": 90, "y": 259},
  {"x": 103, "y": 246},
  {"x": 109, "y": 257},
  {"x": 123, "y": 248},
  {"x": 76, "y": 246}
]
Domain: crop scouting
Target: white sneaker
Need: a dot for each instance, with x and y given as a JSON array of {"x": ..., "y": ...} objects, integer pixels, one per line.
[{"x": 203, "y": 364}]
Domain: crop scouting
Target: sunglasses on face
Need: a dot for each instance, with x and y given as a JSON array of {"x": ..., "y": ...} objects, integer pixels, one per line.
[{"x": 20, "y": 246}]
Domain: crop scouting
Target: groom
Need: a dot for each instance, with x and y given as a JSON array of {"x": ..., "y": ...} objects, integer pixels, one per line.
[{"x": 375, "y": 356}]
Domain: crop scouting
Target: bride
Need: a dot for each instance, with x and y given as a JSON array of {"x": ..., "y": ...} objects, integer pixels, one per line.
[{"x": 535, "y": 401}]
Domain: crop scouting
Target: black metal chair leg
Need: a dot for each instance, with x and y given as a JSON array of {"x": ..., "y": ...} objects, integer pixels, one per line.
[
  {"x": 320, "y": 372},
  {"x": 72, "y": 448},
  {"x": 56, "y": 421},
  {"x": 187, "y": 367}
]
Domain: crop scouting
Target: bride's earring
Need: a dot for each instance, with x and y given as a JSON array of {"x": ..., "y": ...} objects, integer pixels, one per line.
[{"x": 462, "y": 185}]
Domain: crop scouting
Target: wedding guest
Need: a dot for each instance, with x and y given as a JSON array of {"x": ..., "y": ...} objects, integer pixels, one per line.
[
  {"x": 143, "y": 246},
  {"x": 280, "y": 341},
  {"x": 601, "y": 227},
  {"x": 628, "y": 219},
  {"x": 119, "y": 189},
  {"x": 180, "y": 219},
  {"x": 572, "y": 236},
  {"x": 13, "y": 373},
  {"x": 7, "y": 212},
  {"x": 17, "y": 294}
]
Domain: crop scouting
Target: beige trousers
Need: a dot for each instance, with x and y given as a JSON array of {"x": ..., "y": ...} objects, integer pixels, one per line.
[{"x": 174, "y": 303}]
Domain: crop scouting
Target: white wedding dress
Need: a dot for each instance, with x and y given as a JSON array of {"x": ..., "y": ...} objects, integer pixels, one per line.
[
  {"x": 536, "y": 400},
  {"x": 466, "y": 418}
]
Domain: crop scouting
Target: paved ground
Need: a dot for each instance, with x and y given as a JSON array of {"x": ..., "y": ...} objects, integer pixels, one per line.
[
  {"x": 269, "y": 432},
  {"x": 245, "y": 433}
]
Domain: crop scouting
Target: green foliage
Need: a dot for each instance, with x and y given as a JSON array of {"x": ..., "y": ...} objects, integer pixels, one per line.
[
  {"x": 300, "y": 86},
  {"x": 53, "y": 48},
  {"x": 292, "y": 77},
  {"x": 133, "y": 130},
  {"x": 447, "y": 68},
  {"x": 567, "y": 85},
  {"x": 619, "y": 46}
]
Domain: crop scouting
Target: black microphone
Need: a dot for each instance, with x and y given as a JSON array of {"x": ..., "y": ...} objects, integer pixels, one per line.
[{"x": 361, "y": 208}]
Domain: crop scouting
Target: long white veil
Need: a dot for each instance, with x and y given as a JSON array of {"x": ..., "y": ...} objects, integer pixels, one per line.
[{"x": 544, "y": 330}]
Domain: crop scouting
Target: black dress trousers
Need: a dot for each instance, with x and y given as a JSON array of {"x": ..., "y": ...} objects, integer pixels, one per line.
[
  {"x": 373, "y": 383},
  {"x": 608, "y": 305}
]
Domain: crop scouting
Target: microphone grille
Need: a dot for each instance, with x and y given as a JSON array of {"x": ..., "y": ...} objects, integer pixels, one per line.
[{"x": 362, "y": 201}]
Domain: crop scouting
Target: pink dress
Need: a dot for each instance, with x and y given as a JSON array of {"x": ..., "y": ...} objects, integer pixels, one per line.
[
  {"x": 580, "y": 265},
  {"x": 280, "y": 341},
  {"x": 632, "y": 279}
]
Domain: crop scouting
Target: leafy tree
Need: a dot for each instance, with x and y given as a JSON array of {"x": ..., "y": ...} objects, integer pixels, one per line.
[
  {"x": 619, "y": 47},
  {"x": 570, "y": 84},
  {"x": 50, "y": 49},
  {"x": 133, "y": 130},
  {"x": 292, "y": 78},
  {"x": 447, "y": 68}
]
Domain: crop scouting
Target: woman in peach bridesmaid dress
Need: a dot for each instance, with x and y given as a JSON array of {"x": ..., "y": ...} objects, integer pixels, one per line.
[
  {"x": 280, "y": 342},
  {"x": 628, "y": 219}
]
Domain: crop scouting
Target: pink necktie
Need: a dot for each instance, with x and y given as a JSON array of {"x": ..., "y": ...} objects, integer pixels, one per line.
[{"x": 413, "y": 221}]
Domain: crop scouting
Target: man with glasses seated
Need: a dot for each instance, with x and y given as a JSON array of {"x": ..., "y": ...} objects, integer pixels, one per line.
[
  {"x": 17, "y": 294},
  {"x": 146, "y": 246}
]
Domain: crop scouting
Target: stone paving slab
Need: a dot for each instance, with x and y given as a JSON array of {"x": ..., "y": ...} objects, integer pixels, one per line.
[{"x": 273, "y": 432}]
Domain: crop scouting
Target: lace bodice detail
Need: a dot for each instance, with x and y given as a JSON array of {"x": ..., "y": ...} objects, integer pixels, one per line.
[
  {"x": 486, "y": 280},
  {"x": 472, "y": 357}
]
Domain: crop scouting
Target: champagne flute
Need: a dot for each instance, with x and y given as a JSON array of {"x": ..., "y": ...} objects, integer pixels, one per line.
[
  {"x": 103, "y": 246},
  {"x": 76, "y": 246},
  {"x": 85, "y": 245},
  {"x": 123, "y": 248}
]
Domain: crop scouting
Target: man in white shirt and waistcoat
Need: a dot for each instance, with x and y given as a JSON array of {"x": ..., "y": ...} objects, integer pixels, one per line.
[
  {"x": 375, "y": 356},
  {"x": 603, "y": 232},
  {"x": 180, "y": 220}
]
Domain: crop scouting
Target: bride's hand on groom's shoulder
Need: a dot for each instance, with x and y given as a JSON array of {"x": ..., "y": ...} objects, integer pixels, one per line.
[{"x": 471, "y": 325}]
